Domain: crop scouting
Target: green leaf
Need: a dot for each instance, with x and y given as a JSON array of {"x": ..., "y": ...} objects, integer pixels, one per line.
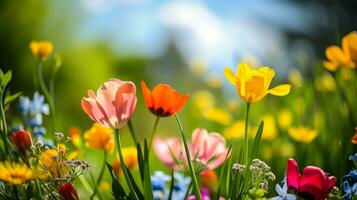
[
  {"x": 1, "y": 74},
  {"x": 147, "y": 179},
  {"x": 257, "y": 141},
  {"x": 140, "y": 162},
  {"x": 135, "y": 186},
  {"x": 11, "y": 98},
  {"x": 6, "y": 79},
  {"x": 118, "y": 190}
]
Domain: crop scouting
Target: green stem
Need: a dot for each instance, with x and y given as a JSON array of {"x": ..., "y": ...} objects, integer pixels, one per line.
[
  {"x": 132, "y": 132},
  {"x": 153, "y": 132},
  {"x": 48, "y": 96},
  {"x": 101, "y": 173},
  {"x": 246, "y": 141},
  {"x": 122, "y": 164},
  {"x": 38, "y": 189},
  {"x": 172, "y": 184},
  {"x": 3, "y": 119},
  {"x": 196, "y": 188}
]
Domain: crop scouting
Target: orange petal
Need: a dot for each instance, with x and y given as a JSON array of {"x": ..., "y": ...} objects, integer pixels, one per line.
[
  {"x": 147, "y": 95},
  {"x": 354, "y": 139}
]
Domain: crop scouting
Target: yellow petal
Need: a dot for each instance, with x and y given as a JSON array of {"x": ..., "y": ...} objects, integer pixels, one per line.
[
  {"x": 230, "y": 76},
  {"x": 280, "y": 90},
  {"x": 331, "y": 66},
  {"x": 243, "y": 74},
  {"x": 336, "y": 54}
]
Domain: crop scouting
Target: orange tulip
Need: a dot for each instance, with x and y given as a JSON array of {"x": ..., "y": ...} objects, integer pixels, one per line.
[
  {"x": 163, "y": 100},
  {"x": 22, "y": 140}
]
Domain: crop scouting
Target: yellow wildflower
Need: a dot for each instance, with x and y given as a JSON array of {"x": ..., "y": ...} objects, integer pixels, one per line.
[
  {"x": 203, "y": 99},
  {"x": 269, "y": 130},
  {"x": 295, "y": 78},
  {"x": 235, "y": 131},
  {"x": 342, "y": 57},
  {"x": 75, "y": 134},
  {"x": 253, "y": 85},
  {"x": 41, "y": 49},
  {"x": 325, "y": 83},
  {"x": 218, "y": 115},
  {"x": 130, "y": 158},
  {"x": 285, "y": 118},
  {"x": 15, "y": 173},
  {"x": 100, "y": 137},
  {"x": 302, "y": 134}
]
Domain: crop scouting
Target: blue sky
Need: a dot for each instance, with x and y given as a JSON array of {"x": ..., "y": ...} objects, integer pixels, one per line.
[{"x": 217, "y": 32}]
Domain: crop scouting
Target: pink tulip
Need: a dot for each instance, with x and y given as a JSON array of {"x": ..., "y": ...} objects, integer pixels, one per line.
[
  {"x": 207, "y": 149},
  {"x": 313, "y": 181},
  {"x": 114, "y": 104}
]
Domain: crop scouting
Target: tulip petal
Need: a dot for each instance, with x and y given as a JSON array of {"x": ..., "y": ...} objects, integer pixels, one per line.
[
  {"x": 292, "y": 174},
  {"x": 312, "y": 182},
  {"x": 125, "y": 103},
  {"x": 90, "y": 107},
  {"x": 331, "y": 66},
  {"x": 230, "y": 76},
  {"x": 280, "y": 90},
  {"x": 180, "y": 102},
  {"x": 164, "y": 97},
  {"x": 147, "y": 95}
]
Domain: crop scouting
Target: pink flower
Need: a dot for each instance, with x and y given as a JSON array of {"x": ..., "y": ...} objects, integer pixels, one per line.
[
  {"x": 313, "y": 181},
  {"x": 113, "y": 105},
  {"x": 207, "y": 149}
]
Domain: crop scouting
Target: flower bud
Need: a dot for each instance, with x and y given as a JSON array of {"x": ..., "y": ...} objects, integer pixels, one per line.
[
  {"x": 22, "y": 140},
  {"x": 68, "y": 192}
]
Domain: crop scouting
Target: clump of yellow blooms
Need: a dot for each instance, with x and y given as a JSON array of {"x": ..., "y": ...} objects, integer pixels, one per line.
[
  {"x": 285, "y": 118},
  {"x": 269, "y": 131},
  {"x": 130, "y": 159},
  {"x": 325, "y": 83},
  {"x": 100, "y": 137},
  {"x": 15, "y": 173},
  {"x": 253, "y": 84},
  {"x": 41, "y": 49},
  {"x": 236, "y": 130},
  {"x": 344, "y": 56},
  {"x": 218, "y": 115},
  {"x": 302, "y": 134}
]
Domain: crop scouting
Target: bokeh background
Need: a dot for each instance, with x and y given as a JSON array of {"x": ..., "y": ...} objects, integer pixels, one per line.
[{"x": 187, "y": 44}]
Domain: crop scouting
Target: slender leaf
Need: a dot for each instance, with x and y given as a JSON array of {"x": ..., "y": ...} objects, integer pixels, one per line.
[
  {"x": 140, "y": 162},
  {"x": 6, "y": 78},
  {"x": 133, "y": 183},
  {"x": 147, "y": 179},
  {"x": 11, "y": 98},
  {"x": 118, "y": 190},
  {"x": 257, "y": 141}
]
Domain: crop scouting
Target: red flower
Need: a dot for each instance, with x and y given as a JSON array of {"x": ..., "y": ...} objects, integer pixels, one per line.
[
  {"x": 68, "y": 192},
  {"x": 22, "y": 140},
  {"x": 313, "y": 182},
  {"x": 163, "y": 101}
]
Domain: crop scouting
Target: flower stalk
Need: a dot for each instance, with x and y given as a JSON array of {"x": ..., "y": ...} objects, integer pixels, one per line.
[
  {"x": 101, "y": 173},
  {"x": 246, "y": 140}
]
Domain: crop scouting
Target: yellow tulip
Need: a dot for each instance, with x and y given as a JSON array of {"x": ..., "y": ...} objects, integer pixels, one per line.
[
  {"x": 302, "y": 134},
  {"x": 41, "y": 49},
  {"x": 253, "y": 84},
  {"x": 100, "y": 137},
  {"x": 342, "y": 57}
]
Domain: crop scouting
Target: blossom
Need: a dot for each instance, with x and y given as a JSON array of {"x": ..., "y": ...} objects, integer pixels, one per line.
[
  {"x": 75, "y": 134},
  {"x": 22, "y": 140},
  {"x": 349, "y": 191},
  {"x": 113, "y": 105},
  {"x": 68, "y": 192},
  {"x": 51, "y": 161},
  {"x": 218, "y": 115},
  {"x": 100, "y": 137},
  {"x": 236, "y": 130},
  {"x": 207, "y": 150},
  {"x": 205, "y": 195},
  {"x": 41, "y": 49},
  {"x": 354, "y": 138},
  {"x": 312, "y": 182},
  {"x": 163, "y": 100},
  {"x": 353, "y": 157},
  {"x": 208, "y": 179},
  {"x": 32, "y": 110},
  {"x": 285, "y": 118},
  {"x": 253, "y": 85},
  {"x": 342, "y": 57},
  {"x": 130, "y": 156},
  {"x": 15, "y": 173},
  {"x": 283, "y": 192},
  {"x": 302, "y": 134}
]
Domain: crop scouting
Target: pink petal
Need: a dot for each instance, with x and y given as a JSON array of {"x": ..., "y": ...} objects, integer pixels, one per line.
[
  {"x": 90, "y": 107},
  {"x": 199, "y": 136},
  {"x": 165, "y": 149},
  {"x": 312, "y": 181},
  {"x": 125, "y": 102}
]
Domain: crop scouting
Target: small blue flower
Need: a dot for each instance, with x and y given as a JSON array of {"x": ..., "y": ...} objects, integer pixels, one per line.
[
  {"x": 353, "y": 158},
  {"x": 352, "y": 176},
  {"x": 159, "y": 180},
  {"x": 39, "y": 105},
  {"x": 24, "y": 105},
  {"x": 349, "y": 191},
  {"x": 35, "y": 120},
  {"x": 39, "y": 131},
  {"x": 283, "y": 192},
  {"x": 180, "y": 186}
]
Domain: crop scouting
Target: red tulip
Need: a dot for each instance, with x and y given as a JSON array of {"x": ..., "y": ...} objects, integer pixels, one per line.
[
  {"x": 22, "y": 140},
  {"x": 312, "y": 182},
  {"x": 68, "y": 192}
]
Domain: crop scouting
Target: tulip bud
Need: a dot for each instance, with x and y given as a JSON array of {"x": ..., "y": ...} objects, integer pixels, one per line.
[
  {"x": 68, "y": 192},
  {"x": 22, "y": 140}
]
